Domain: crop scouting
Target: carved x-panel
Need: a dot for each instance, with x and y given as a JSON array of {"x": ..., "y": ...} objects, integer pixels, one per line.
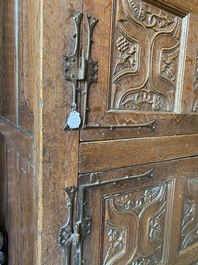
[
  {"x": 134, "y": 226},
  {"x": 146, "y": 85},
  {"x": 146, "y": 56},
  {"x": 141, "y": 215},
  {"x": 131, "y": 217}
]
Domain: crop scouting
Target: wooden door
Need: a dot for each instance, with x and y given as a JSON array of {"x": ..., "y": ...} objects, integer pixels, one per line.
[
  {"x": 134, "y": 157},
  {"x": 138, "y": 164}
]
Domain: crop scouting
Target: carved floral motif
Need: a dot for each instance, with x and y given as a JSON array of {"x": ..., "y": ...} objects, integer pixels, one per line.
[
  {"x": 144, "y": 100},
  {"x": 150, "y": 19},
  {"x": 169, "y": 60},
  {"x": 127, "y": 59},
  {"x": 135, "y": 226},
  {"x": 117, "y": 242},
  {"x": 146, "y": 51},
  {"x": 189, "y": 228}
]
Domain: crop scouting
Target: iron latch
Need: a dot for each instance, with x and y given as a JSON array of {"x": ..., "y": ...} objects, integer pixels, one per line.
[
  {"x": 73, "y": 232},
  {"x": 80, "y": 68}
]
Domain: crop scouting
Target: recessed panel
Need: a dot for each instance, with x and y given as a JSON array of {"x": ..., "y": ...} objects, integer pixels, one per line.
[
  {"x": 147, "y": 54},
  {"x": 134, "y": 226}
]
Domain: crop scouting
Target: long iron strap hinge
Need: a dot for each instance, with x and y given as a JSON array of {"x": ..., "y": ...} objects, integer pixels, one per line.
[
  {"x": 73, "y": 232},
  {"x": 80, "y": 68}
]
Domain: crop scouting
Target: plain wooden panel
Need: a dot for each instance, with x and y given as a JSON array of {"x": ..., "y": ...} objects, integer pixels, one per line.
[
  {"x": 8, "y": 50},
  {"x": 166, "y": 124},
  {"x": 2, "y": 181},
  {"x": 1, "y": 27},
  {"x": 95, "y": 156},
  {"x": 12, "y": 205},
  {"x": 27, "y": 212}
]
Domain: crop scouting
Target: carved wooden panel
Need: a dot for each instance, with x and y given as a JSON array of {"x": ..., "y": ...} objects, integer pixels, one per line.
[
  {"x": 134, "y": 226},
  {"x": 195, "y": 88},
  {"x": 189, "y": 228},
  {"x": 146, "y": 53},
  {"x": 146, "y": 67}
]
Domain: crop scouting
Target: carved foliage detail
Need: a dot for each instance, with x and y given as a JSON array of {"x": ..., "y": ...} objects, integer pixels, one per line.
[
  {"x": 116, "y": 244},
  {"x": 146, "y": 51},
  {"x": 169, "y": 60},
  {"x": 134, "y": 226},
  {"x": 189, "y": 228},
  {"x": 195, "y": 88},
  {"x": 127, "y": 59},
  {"x": 151, "y": 20}
]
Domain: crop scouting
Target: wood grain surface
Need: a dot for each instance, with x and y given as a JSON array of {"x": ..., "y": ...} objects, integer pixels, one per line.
[
  {"x": 38, "y": 159},
  {"x": 96, "y": 156}
]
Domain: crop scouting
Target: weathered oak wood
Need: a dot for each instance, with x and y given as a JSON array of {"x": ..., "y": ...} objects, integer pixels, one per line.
[
  {"x": 148, "y": 71},
  {"x": 104, "y": 155},
  {"x": 8, "y": 84},
  {"x": 169, "y": 176},
  {"x": 21, "y": 141}
]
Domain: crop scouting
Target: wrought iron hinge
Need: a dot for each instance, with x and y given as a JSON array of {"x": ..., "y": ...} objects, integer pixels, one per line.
[
  {"x": 78, "y": 68},
  {"x": 73, "y": 232}
]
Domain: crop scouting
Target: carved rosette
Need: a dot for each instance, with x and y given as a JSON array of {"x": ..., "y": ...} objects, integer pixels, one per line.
[
  {"x": 134, "y": 227},
  {"x": 189, "y": 228},
  {"x": 145, "y": 58}
]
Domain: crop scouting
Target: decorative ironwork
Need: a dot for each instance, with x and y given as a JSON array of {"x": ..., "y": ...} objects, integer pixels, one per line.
[
  {"x": 77, "y": 69},
  {"x": 73, "y": 232}
]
